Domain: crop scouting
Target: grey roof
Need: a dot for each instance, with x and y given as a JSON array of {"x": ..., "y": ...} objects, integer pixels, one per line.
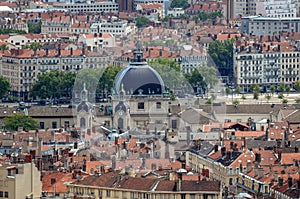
[
  {"x": 138, "y": 75},
  {"x": 259, "y": 143}
]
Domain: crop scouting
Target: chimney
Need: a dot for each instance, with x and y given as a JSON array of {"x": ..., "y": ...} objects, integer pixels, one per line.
[
  {"x": 223, "y": 151},
  {"x": 113, "y": 162},
  {"x": 290, "y": 182},
  {"x": 249, "y": 167},
  {"x": 153, "y": 166},
  {"x": 276, "y": 176},
  {"x": 143, "y": 163},
  {"x": 258, "y": 157},
  {"x": 260, "y": 172},
  {"x": 231, "y": 145},
  {"x": 160, "y": 52},
  {"x": 216, "y": 148},
  {"x": 298, "y": 184},
  {"x": 228, "y": 155},
  {"x": 71, "y": 51},
  {"x": 178, "y": 183},
  {"x": 188, "y": 135},
  {"x": 280, "y": 182},
  {"x": 83, "y": 50},
  {"x": 67, "y": 138},
  {"x": 296, "y": 150},
  {"x": 167, "y": 151},
  {"x": 47, "y": 52},
  {"x": 52, "y": 136}
]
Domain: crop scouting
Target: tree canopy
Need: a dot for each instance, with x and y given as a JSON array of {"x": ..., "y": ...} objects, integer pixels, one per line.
[
  {"x": 141, "y": 21},
  {"x": 180, "y": 4},
  {"x": 53, "y": 84},
  {"x": 196, "y": 80},
  {"x": 106, "y": 81},
  {"x": 222, "y": 55},
  {"x": 19, "y": 120},
  {"x": 4, "y": 86},
  {"x": 4, "y": 31},
  {"x": 167, "y": 62},
  {"x": 34, "y": 27},
  {"x": 297, "y": 85},
  {"x": 171, "y": 75},
  {"x": 203, "y": 16}
]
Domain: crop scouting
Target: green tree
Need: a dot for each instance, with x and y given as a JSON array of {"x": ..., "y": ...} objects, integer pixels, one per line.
[
  {"x": 268, "y": 97},
  {"x": 180, "y": 4},
  {"x": 272, "y": 89},
  {"x": 280, "y": 96},
  {"x": 34, "y": 27},
  {"x": 209, "y": 101},
  {"x": 243, "y": 98},
  {"x": 227, "y": 91},
  {"x": 282, "y": 86},
  {"x": 4, "y": 86},
  {"x": 196, "y": 79},
  {"x": 142, "y": 21},
  {"x": 6, "y": 31},
  {"x": 236, "y": 102},
  {"x": 53, "y": 84},
  {"x": 106, "y": 81},
  {"x": 297, "y": 100},
  {"x": 297, "y": 85},
  {"x": 222, "y": 55},
  {"x": 3, "y": 47},
  {"x": 238, "y": 89},
  {"x": 89, "y": 78},
  {"x": 172, "y": 76},
  {"x": 166, "y": 62},
  {"x": 19, "y": 120},
  {"x": 203, "y": 16},
  {"x": 284, "y": 101},
  {"x": 287, "y": 89},
  {"x": 255, "y": 88},
  {"x": 255, "y": 95},
  {"x": 209, "y": 74}
]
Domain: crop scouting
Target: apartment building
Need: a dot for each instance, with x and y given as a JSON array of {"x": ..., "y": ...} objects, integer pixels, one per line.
[
  {"x": 136, "y": 2},
  {"x": 191, "y": 58},
  {"x": 259, "y": 25},
  {"x": 241, "y": 8},
  {"x": 111, "y": 27},
  {"x": 277, "y": 8},
  {"x": 23, "y": 66},
  {"x": 117, "y": 185},
  {"x": 97, "y": 41},
  {"x": 96, "y": 7},
  {"x": 56, "y": 25},
  {"x": 266, "y": 63},
  {"x": 20, "y": 41},
  {"x": 20, "y": 181}
]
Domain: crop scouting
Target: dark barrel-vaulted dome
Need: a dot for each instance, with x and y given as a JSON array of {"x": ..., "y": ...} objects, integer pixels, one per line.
[{"x": 138, "y": 78}]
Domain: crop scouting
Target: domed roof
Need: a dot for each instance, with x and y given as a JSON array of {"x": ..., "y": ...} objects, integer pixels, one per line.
[{"x": 138, "y": 78}]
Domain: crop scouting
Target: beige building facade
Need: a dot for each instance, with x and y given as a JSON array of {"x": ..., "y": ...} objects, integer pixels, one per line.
[{"x": 20, "y": 181}]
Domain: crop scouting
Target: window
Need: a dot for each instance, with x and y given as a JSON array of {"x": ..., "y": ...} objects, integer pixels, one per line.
[
  {"x": 1, "y": 194},
  {"x": 108, "y": 193},
  {"x": 158, "y": 105},
  {"x": 174, "y": 124},
  {"x": 141, "y": 105},
  {"x": 6, "y": 194},
  {"x": 42, "y": 125},
  {"x": 54, "y": 125}
]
